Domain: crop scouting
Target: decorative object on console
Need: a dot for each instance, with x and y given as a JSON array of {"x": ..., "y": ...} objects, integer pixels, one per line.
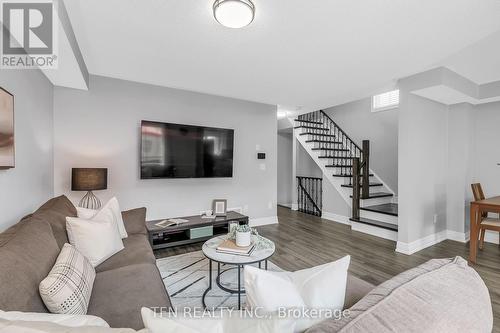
[
  {"x": 243, "y": 235},
  {"x": 7, "y": 156},
  {"x": 219, "y": 207},
  {"x": 67, "y": 288},
  {"x": 89, "y": 179}
]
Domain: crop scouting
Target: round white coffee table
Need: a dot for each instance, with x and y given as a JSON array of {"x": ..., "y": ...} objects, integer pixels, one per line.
[{"x": 209, "y": 249}]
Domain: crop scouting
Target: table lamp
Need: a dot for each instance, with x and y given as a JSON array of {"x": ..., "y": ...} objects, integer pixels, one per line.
[{"x": 89, "y": 179}]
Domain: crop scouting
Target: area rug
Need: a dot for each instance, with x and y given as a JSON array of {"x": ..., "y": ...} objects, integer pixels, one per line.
[{"x": 186, "y": 278}]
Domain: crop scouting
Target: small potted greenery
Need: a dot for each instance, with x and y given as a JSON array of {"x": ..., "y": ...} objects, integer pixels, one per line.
[{"x": 243, "y": 235}]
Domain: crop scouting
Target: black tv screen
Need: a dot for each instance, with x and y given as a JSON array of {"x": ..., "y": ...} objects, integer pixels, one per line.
[{"x": 185, "y": 151}]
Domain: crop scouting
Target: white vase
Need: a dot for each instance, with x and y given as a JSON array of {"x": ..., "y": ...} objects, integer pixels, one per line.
[{"x": 243, "y": 238}]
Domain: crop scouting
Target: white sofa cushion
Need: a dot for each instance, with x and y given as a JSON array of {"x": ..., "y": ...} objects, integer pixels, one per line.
[
  {"x": 225, "y": 321},
  {"x": 69, "y": 320},
  {"x": 68, "y": 286},
  {"x": 98, "y": 215},
  {"x": 320, "y": 287},
  {"x": 96, "y": 240}
]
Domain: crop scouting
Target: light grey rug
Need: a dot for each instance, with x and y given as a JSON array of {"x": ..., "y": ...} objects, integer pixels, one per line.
[{"x": 186, "y": 278}]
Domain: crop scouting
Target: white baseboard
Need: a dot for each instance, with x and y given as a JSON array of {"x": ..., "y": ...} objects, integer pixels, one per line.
[
  {"x": 295, "y": 206},
  {"x": 336, "y": 218},
  {"x": 263, "y": 221},
  {"x": 462, "y": 237},
  {"x": 422, "y": 243},
  {"x": 288, "y": 205}
]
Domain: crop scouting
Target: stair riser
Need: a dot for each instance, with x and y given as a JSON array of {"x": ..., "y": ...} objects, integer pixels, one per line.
[
  {"x": 375, "y": 231},
  {"x": 379, "y": 217},
  {"x": 375, "y": 201}
]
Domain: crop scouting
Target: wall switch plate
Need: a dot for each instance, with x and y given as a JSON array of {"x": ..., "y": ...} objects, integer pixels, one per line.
[{"x": 262, "y": 166}]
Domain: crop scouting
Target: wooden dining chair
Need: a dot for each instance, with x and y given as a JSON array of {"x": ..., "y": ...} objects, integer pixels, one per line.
[{"x": 486, "y": 223}]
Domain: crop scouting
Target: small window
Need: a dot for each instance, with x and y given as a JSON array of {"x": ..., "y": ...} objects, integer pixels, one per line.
[{"x": 385, "y": 101}]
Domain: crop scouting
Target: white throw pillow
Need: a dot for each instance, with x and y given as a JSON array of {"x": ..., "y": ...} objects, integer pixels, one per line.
[
  {"x": 68, "y": 286},
  {"x": 96, "y": 240},
  {"x": 321, "y": 288},
  {"x": 60, "y": 319},
  {"x": 98, "y": 215},
  {"x": 220, "y": 322}
]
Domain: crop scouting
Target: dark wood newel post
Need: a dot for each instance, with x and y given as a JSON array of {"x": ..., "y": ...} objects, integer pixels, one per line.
[
  {"x": 365, "y": 190},
  {"x": 355, "y": 187}
]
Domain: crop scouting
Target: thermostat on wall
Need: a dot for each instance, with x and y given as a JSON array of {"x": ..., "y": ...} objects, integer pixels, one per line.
[{"x": 261, "y": 156}]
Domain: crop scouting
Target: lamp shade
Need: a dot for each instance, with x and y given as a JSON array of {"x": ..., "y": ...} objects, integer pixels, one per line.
[{"x": 89, "y": 179}]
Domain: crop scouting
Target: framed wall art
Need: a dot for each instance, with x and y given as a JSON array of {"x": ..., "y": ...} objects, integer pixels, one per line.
[{"x": 7, "y": 151}]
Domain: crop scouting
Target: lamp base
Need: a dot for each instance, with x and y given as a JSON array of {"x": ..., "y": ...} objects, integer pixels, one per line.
[{"x": 90, "y": 201}]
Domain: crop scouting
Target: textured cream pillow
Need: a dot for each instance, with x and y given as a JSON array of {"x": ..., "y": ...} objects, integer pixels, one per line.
[
  {"x": 68, "y": 320},
  {"x": 96, "y": 240},
  {"x": 226, "y": 321},
  {"x": 98, "y": 215},
  {"x": 67, "y": 288}
]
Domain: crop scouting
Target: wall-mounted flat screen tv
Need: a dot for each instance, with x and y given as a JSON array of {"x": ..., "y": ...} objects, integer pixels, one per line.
[{"x": 185, "y": 151}]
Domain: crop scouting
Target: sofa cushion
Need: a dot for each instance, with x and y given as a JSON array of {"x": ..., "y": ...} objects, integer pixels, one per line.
[
  {"x": 119, "y": 294},
  {"x": 55, "y": 212},
  {"x": 137, "y": 250},
  {"x": 19, "y": 326},
  {"x": 135, "y": 221},
  {"x": 442, "y": 295},
  {"x": 28, "y": 251}
]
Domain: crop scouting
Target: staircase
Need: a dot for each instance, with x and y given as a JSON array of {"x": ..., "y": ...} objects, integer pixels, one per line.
[{"x": 346, "y": 166}]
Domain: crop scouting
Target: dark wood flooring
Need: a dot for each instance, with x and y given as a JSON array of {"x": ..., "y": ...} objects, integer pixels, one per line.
[{"x": 304, "y": 241}]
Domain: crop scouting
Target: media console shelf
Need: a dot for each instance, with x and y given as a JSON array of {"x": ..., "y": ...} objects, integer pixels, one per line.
[{"x": 197, "y": 229}]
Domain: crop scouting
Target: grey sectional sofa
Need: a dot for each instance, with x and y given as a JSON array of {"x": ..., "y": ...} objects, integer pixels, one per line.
[
  {"x": 442, "y": 295},
  {"x": 124, "y": 283}
]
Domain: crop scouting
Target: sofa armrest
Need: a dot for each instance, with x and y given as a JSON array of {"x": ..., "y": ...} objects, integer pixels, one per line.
[
  {"x": 135, "y": 221},
  {"x": 356, "y": 289}
]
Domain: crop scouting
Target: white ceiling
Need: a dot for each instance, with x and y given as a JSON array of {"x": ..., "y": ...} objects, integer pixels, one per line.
[
  {"x": 313, "y": 54},
  {"x": 479, "y": 62}
]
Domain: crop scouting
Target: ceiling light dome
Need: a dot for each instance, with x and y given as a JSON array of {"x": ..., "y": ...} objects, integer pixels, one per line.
[{"x": 234, "y": 13}]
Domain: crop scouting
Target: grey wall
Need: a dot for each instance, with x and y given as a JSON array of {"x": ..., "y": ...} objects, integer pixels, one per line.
[
  {"x": 381, "y": 128},
  {"x": 423, "y": 163},
  {"x": 285, "y": 163},
  {"x": 487, "y": 148},
  {"x": 30, "y": 183},
  {"x": 306, "y": 167},
  {"x": 100, "y": 128}
]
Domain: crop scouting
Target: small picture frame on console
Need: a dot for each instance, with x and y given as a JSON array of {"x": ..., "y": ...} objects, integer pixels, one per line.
[{"x": 219, "y": 207}]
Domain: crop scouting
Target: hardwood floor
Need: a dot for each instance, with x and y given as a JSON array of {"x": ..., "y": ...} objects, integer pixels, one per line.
[{"x": 304, "y": 241}]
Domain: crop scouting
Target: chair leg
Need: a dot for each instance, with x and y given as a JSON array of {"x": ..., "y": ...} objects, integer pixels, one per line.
[{"x": 481, "y": 238}]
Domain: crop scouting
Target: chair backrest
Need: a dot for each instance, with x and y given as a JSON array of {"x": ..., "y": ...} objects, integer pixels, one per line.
[{"x": 477, "y": 191}]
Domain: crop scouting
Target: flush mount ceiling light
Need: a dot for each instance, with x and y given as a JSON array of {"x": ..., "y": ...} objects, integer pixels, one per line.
[{"x": 234, "y": 13}]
